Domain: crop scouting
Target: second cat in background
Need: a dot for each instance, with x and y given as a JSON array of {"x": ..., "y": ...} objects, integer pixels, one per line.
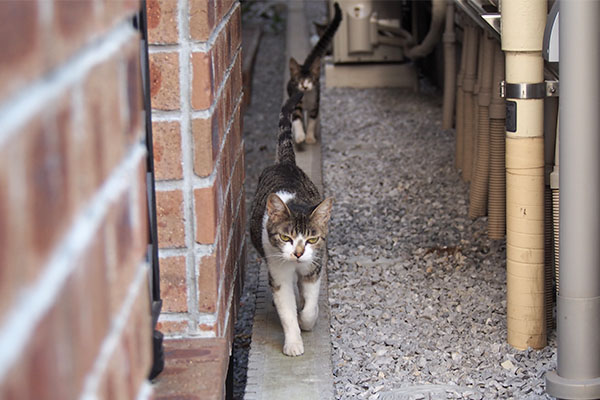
[{"x": 305, "y": 78}]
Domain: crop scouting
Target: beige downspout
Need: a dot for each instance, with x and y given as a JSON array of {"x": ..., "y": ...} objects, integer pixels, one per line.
[
  {"x": 476, "y": 88},
  {"x": 479, "y": 185},
  {"x": 497, "y": 185},
  {"x": 523, "y": 23},
  {"x": 449, "y": 39},
  {"x": 460, "y": 96},
  {"x": 468, "y": 102}
]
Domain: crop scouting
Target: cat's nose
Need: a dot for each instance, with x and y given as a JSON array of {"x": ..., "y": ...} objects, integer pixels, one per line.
[{"x": 298, "y": 254}]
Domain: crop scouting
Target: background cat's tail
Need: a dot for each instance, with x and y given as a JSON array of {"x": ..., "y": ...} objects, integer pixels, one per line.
[
  {"x": 285, "y": 146},
  {"x": 321, "y": 46}
]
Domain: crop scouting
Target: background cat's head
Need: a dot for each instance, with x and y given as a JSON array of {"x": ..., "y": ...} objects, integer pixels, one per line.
[
  {"x": 297, "y": 231},
  {"x": 305, "y": 80}
]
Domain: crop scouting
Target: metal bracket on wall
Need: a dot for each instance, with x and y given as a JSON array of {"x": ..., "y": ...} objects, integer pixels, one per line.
[{"x": 529, "y": 90}]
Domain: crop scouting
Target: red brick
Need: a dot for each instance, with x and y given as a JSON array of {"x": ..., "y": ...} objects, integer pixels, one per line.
[
  {"x": 206, "y": 145},
  {"x": 202, "y": 19},
  {"x": 166, "y": 139},
  {"x": 122, "y": 260},
  {"x": 204, "y": 84},
  {"x": 115, "y": 11},
  {"x": 83, "y": 164},
  {"x": 130, "y": 361},
  {"x": 237, "y": 181},
  {"x": 104, "y": 113},
  {"x": 50, "y": 354},
  {"x": 169, "y": 209},
  {"x": 73, "y": 26},
  {"x": 89, "y": 320},
  {"x": 226, "y": 162},
  {"x": 235, "y": 34},
  {"x": 138, "y": 338},
  {"x": 13, "y": 228},
  {"x": 117, "y": 376},
  {"x": 172, "y": 327},
  {"x": 173, "y": 288},
  {"x": 16, "y": 384},
  {"x": 22, "y": 57},
  {"x": 219, "y": 57},
  {"x": 194, "y": 369},
  {"x": 164, "y": 81},
  {"x": 227, "y": 216},
  {"x": 134, "y": 90},
  {"x": 223, "y": 7},
  {"x": 208, "y": 283},
  {"x": 211, "y": 328},
  {"x": 48, "y": 186},
  {"x": 236, "y": 79},
  {"x": 206, "y": 212},
  {"x": 222, "y": 311},
  {"x": 162, "y": 21}
]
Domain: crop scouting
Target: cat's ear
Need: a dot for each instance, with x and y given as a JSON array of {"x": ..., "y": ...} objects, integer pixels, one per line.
[
  {"x": 276, "y": 208},
  {"x": 322, "y": 212},
  {"x": 294, "y": 67},
  {"x": 315, "y": 68}
]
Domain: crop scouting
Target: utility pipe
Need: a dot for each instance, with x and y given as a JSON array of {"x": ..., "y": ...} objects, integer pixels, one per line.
[
  {"x": 497, "y": 184},
  {"x": 551, "y": 161},
  {"x": 523, "y": 23},
  {"x": 480, "y": 36},
  {"x": 438, "y": 16},
  {"x": 479, "y": 185},
  {"x": 577, "y": 375},
  {"x": 555, "y": 189},
  {"x": 468, "y": 102},
  {"x": 460, "y": 96},
  {"x": 449, "y": 39}
]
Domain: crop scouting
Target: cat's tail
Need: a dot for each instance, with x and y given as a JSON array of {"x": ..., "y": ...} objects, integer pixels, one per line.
[
  {"x": 285, "y": 146},
  {"x": 321, "y": 46}
]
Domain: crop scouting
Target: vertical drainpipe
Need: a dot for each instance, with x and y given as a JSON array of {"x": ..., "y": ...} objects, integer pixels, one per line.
[
  {"x": 460, "y": 98},
  {"x": 479, "y": 185},
  {"x": 523, "y": 23},
  {"x": 468, "y": 100},
  {"x": 449, "y": 39},
  {"x": 497, "y": 183},
  {"x": 578, "y": 316}
]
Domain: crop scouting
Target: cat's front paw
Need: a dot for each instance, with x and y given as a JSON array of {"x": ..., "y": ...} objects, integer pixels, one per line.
[
  {"x": 293, "y": 349},
  {"x": 298, "y": 131}
]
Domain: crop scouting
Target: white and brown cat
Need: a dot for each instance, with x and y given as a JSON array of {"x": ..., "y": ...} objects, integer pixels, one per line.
[
  {"x": 306, "y": 78},
  {"x": 288, "y": 227}
]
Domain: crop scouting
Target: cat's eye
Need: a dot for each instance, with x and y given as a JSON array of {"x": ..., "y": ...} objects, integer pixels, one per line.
[
  {"x": 285, "y": 238},
  {"x": 313, "y": 240}
]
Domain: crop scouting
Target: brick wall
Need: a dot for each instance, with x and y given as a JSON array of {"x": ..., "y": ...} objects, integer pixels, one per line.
[
  {"x": 74, "y": 300},
  {"x": 195, "y": 68}
]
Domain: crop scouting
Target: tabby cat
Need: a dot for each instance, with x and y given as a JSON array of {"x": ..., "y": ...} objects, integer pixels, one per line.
[
  {"x": 305, "y": 78},
  {"x": 288, "y": 226}
]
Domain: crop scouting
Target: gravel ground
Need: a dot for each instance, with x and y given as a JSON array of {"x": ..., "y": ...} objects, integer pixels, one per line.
[{"x": 417, "y": 290}]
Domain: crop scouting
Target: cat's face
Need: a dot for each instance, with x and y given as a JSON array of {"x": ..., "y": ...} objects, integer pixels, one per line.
[
  {"x": 297, "y": 233},
  {"x": 305, "y": 84},
  {"x": 305, "y": 80}
]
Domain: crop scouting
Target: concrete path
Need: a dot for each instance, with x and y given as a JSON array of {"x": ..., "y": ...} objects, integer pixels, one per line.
[{"x": 271, "y": 374}]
